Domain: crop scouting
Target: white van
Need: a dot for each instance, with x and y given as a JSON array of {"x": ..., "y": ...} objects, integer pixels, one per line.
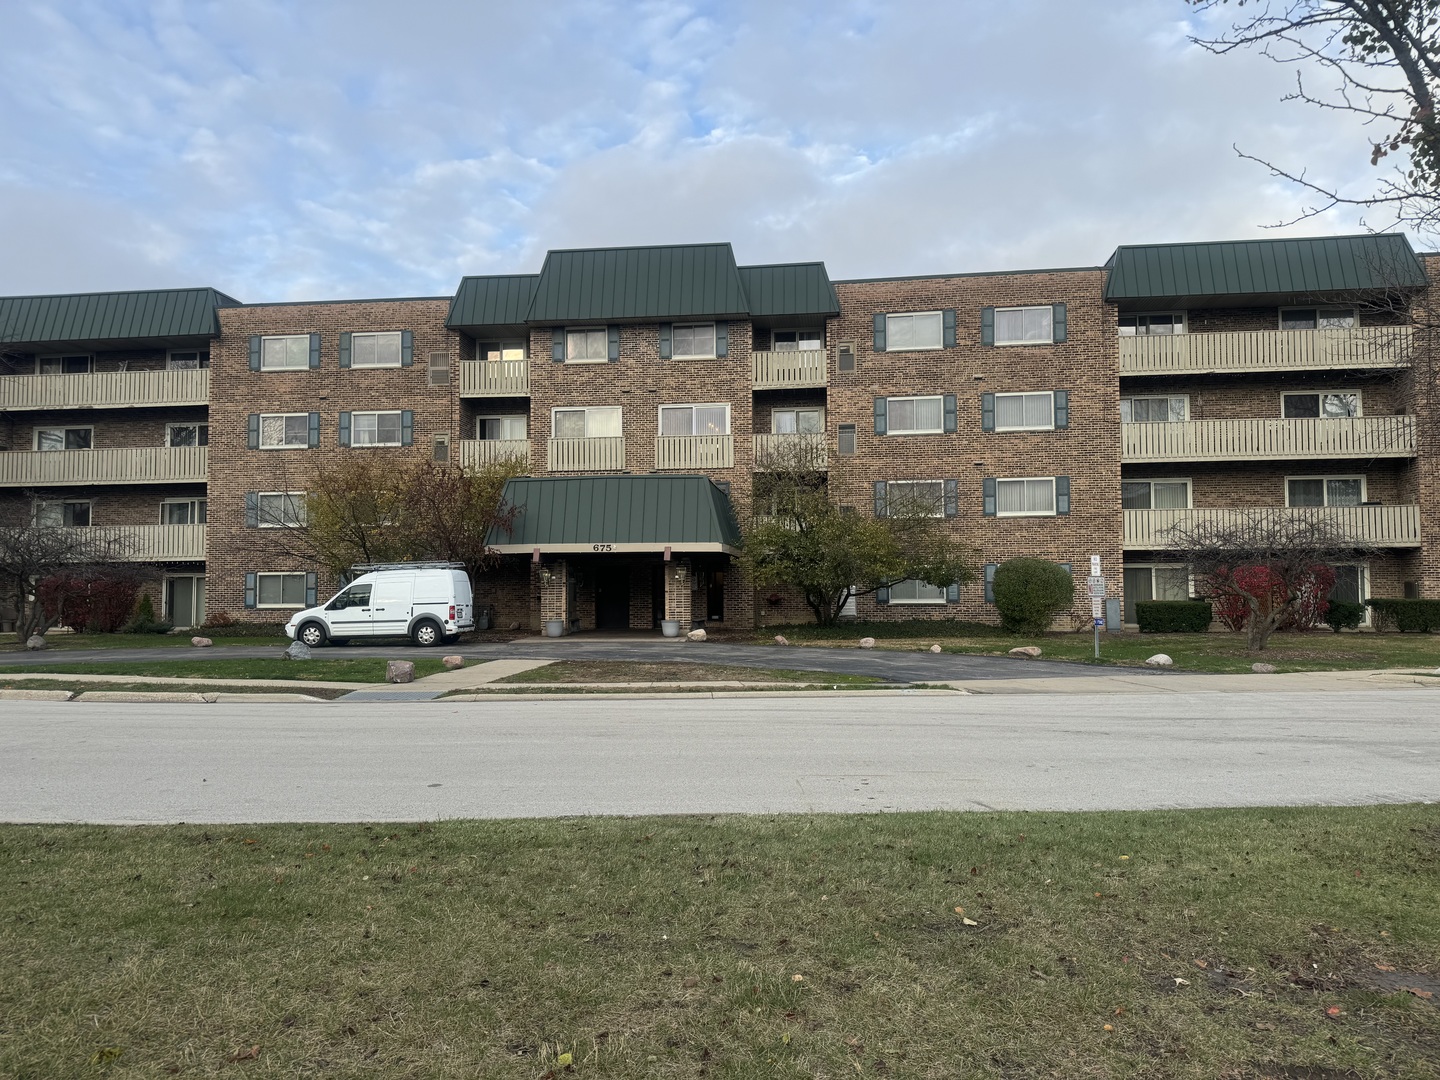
[{"x": 429, "y": 603}]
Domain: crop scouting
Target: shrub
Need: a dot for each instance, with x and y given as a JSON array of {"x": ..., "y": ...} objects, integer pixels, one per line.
[
  {"x": 244, "y": 629},
  {"x": 1233, "y": 611},
  {"x": 1407, "y": 616},
  {"x": 1173, "y": 616},
  {"x": 1342, "y": 615},
  {"x": 1029, "y": 593},
  {"x": 99, "y": 605},
  {"x": 144, "y": 621}
]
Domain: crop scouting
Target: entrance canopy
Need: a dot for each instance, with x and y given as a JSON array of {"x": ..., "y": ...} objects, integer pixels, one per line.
[{"x": 603, "y": 514}]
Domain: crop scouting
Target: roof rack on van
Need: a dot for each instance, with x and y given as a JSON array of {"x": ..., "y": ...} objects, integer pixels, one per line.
[{"x": 366, "y": 568}]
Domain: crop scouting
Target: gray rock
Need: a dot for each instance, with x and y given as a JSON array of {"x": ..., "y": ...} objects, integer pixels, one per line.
[
  {"x": 399, "y": 671},
  {"x": 867, "y": 643},
  {"x": 935, "y": 648},
  {"x": 781, "y": 639},
  {"x": 1263, "y": 669},
  {"x": 1160, "y": 660},
  {"x": 452, "y": 662},
  {"x": 35, "y": 642},
  {"x": 1029, "y": 652},
  {"x": 695, "y": 635},
  {"x": 201, "y": 642},
  {"x": 298, "y": 650},
  {"x": 515, "y": 625}
]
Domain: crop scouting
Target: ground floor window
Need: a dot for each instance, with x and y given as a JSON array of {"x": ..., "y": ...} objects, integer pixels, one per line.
[
  {"x": 916, "y": 592},
  {"x": 1154, "y": 582},
  {"x": 280, "y": 590}
]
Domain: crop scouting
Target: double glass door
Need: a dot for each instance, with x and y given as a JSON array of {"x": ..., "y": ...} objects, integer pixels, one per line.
[{"x": 185, "y": 600}]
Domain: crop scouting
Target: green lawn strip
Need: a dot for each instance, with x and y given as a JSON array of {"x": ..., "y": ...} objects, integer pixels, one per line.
[
  {"x": 605, "y": 671},
  {"x": 141, "y": 641},
  {"x": 1213, "y": 943},
  {"x": 358, "y": 670},
  {"x": 782, "y": 688},
  {"x": 161, "y": 688}
]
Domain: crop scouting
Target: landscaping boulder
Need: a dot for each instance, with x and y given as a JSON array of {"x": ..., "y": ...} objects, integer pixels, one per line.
[
  {"x": 1029, "y": 652},
  {"x": 1263, "y": 669},
  {"x": 35, "y": 642},
  {"x": 1160, "y": 660},
  {"x": 781, "y": 639},
  {"x": 452, "y": 662},
  {"x": 867, "y": 643},
  {"x": 201, "y": 642},
  {"x": 399, "y": 671},
  {"x": 695, "y": 635},
  {"x": 298, "y": 650},
  {"x": 935, "y": 648}
]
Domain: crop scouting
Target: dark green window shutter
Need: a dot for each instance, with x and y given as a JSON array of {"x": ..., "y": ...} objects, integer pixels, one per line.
[
  {"x": 345, "y": 350},
  {"x": 952, "y": 498},
  {"x": 987, "y": 412},
  {"x": 949, "y": 406},
  {"x": 990, "y": 583},
  {"x": 948, "y": 315},
  {"x": 952, "y": 593},
  {"x": 988, "y": 495},
  {"x": 987, "y": 326},
  {"x": 722, "y": 339},
  {"x": 252, "y": 431},
  {"x": 1062, "y": 408},
  {"x": 666, "y": 348},
  {"x": 879, "y": 333},
  {"x": 880, "y": 502},
  {"x": 252, "y": 509},
  {"x": 880, "y": 408},
  {"x": 407, "y": 348},
  {"x": 882, "y": 596},
  {"x": 557, "y": 344},
  {"x": 254, "y": 352},
  {"x": 614, "y": 353},
  {"x": 407, "y": 428},
  {"x": 314, "y": 351},
  {"x": 1062, "y": 494},
  {"x": 1059, "y": 323},
  {"x": 250, "y": 590},
  {"x": 344, "y": 429},
  {"x": 311, "y": 582},
  {"x": 314, "y": 429}
]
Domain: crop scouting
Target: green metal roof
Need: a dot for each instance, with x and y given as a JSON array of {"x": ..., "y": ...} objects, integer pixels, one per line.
[
  {"x": 496, "y": 300},
  {"x": 77, "y": 319},
  {"x": 1307, "y": 266},
  {"x": 629, "y": 513},
  {"x": 684, "y": 281},
  {"x": 789, "y": 289}
]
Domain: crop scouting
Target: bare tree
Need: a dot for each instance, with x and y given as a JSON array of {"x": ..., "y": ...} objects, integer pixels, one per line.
[{"x": 29, "y": 554}]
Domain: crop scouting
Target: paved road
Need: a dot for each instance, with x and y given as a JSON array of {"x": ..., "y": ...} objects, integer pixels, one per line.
[{"x": 332, "y": 762}]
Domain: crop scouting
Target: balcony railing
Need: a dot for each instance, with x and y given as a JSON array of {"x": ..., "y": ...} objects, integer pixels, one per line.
[
  {"x": 1380, "y": 526},
  {"x": 695, "y": 452},
  {"x": 1249, "y": 439},
  {"x": 477, "y": 452},
  {"x": 106, "y": 389},
  {"x": 494, "y": 378},
  {"x": 790, "y": 370},
  {"x": 1266, "y": 350},
  {"x": 586, "y": 455},
  {"x": 794, "y": 450},
  {"x": 149, "y": 543},
  {"x": 127, "y": 465}
]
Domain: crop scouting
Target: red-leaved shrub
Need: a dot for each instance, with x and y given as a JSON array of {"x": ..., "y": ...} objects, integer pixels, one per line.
[
  {"x": 1233, "y": 611},
  {"x": 97, "y": 605}
]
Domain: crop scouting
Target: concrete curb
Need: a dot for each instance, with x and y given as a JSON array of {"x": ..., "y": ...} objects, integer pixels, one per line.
[
  {"x": 35, "y": 695},
  {"x": 767, "y": 693}
]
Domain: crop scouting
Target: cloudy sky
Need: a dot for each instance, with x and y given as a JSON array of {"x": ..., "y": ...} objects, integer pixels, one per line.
[{"x": 286, "y": 149}]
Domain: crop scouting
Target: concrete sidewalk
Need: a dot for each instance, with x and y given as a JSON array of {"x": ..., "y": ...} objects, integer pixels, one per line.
[{"x": 1315, "y": 682}]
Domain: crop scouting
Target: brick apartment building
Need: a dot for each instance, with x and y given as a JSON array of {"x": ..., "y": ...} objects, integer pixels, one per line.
[{"x": 1059, "y": 414}]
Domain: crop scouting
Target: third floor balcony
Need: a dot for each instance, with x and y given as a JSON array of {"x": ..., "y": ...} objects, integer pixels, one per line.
[
  {"x": 1266, "y": 350},
  {"x": 106, "y": 389},
  {"x": 1269, "y": 438}
]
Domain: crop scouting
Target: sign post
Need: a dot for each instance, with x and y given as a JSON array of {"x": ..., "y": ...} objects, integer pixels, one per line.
[{"x": 1097, "y": 600}]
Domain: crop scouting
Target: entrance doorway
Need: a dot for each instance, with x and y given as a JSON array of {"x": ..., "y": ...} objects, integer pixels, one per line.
[
  {"x": 715, "y": 596},
  {"x": 612, "y": 601},
  {"x": 185, "y": 600}
]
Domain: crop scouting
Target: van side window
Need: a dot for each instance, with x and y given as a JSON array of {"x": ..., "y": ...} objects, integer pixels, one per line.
[{"x": 356, "y": 596}]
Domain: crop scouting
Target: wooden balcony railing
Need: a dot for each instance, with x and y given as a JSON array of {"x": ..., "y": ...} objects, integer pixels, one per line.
[
  {"x": 476, "y": 452},
  {"x": 1378, "y": 526},
  {"x": 128, "y": 465},
  {"x": 494, "y": 378},
  {"x": 790, "y": 370},
  {"x": 1249, "y": 439},
  {"x": 695, "y": 452},
  {"x": 791, "y": 451},
  {"x": 1266, "y": 350},
  {"x": 150, "y": 543},
  {"x": 106, "y": 389},
  {"x": 586, "y": 455}
]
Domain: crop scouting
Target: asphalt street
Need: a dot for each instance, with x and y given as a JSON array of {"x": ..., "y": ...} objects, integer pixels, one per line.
[{"x": 231, "y": 763}]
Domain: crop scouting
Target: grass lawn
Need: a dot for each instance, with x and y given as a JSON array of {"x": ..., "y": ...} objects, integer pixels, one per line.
[
  {"x": 358, "y": 670},
  {"x": 138, "y": 641},
  {"x": 1317, "y": 651},
  {"x": 1196, "y": 944},
  {"x": 608, "y": 671},
  {"x": 11, "y": 683}
]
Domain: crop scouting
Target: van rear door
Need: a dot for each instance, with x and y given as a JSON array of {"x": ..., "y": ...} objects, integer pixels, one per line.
[{"x": 391, "y": 603}]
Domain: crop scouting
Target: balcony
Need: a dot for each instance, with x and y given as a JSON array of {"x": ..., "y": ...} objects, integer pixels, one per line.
[
  {"x": 151, "y": 543},
  {"x": 791, "y": 450},
  {"x": 106, "y": 389},
  {"x": 129, "y": 465},
  {"x": 1266, "y": 350},
  {"x": 695, "y": 452},
  {"x": 795, "y": 370},
  {"x": 1256, "y": 439},
  {"x": 475, "y": 453},
  {"x": 1366, "y": 526},
  {"x": 586, "y": 455},
  {"x": 495, "y": 378}
]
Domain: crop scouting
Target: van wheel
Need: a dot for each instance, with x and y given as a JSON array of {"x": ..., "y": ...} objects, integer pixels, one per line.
[
  {"x": 426, "y": 633},
  {"x": 312, "y": 634}
]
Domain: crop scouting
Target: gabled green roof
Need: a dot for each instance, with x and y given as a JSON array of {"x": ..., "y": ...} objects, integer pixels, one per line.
[
  {"x": 495, "y": 300},
  {"x": 1309, "y": 266},
  {"x": 789, "y": 289},
  {"x": 626, "y": 513},
  {"x": 113, "y": 318},
  {"x": 684, "y": 281}
]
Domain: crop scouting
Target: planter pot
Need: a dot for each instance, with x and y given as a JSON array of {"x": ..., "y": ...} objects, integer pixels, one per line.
[
  {"x": 554, "y": 627},
  {"x": 670, "y": 627}
]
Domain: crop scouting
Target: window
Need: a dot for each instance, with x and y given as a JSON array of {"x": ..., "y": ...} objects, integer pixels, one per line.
[
  {"x": 1025, "y": 412},
  {"x": 915, "y": 498},
  {"x": 188, "y": 359},
  {"x": 916, "y": 592},
  {"x": 1154, "y": 410},
  {"x": 1322, "y": 405},
  {"x": 915, "y": 416},
  {"x": 1324, "y": 490},
  {"x": 184, "y": 511},
  {"x": 921, "y": 330},
  {"x": 64, "y": 438},
  {"x": 281, "y": 509},
  {"x": 1163, "y": 324},
  {"x": 356, "y": 596},
  {"x": 279, "y": 430},
  {"x": 62, "y": 514},
  {"x": 845, "y": 361},
  {"x": 437, "y": 371},
  {"x": 1154, "y": 494},
  {"x": 597, "y": 423},
  {"x": 62, "y": 365},
  {"x": 375, "y": 350},
  {"x": 845, "y": 440},
  {"x": 694, "y": 341},
  {"x": 1031, "y": 497},
  {"x": 1352, "y": 585},
  {"x": 694, "y": 420},
  {"x": 492, "y": 352},
  {"x": 290, "y": 352},
  {"x": 587, "y": 346},
  {"x": 187, "y": 435},
  {"x": 500, "y": 427},
  {"x": 1324, "y": 318},
  {"x": 440, "y": 448},
  {"x": 1153, "y": 583},
  {"x": 1024, "y": 325},
  {"x": 375, "y": 428},
  {"x": 280, "y": 590},
  {"x": 801, "y": 421},
  {"x": 797, "y": 340}
]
